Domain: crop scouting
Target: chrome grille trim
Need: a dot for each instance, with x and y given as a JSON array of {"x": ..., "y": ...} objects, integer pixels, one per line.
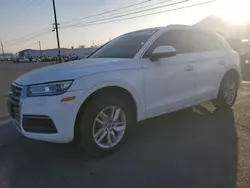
[{"x": 14, "y": 96}]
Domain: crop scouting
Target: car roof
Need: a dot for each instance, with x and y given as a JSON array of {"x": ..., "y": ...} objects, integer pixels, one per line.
[
  {"x": 191, "y": 28},
  {"x": 167, "y": 27},
  {"x": 160, "y": 28}
]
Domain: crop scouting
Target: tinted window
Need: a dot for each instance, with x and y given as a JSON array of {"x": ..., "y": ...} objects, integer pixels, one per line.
[
  {"x": 205, "y": 42},
  {"x": 125, "y": 46},
  {"x": 179, "y": 39},
  {"x": 218, "y": 45},
  {"x": 239, "y": 46}
]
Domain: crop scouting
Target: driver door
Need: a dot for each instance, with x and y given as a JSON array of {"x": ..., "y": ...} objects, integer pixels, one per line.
[{"x": 170, "y": 82}]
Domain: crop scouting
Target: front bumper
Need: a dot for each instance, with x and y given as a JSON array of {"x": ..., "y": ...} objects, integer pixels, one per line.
[{"x": 46, "y": 118}]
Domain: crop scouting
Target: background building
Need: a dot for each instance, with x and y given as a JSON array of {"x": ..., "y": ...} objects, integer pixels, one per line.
[
  {"x": 229, "y": 31},
  {"x": 79, "y": 52},
  {"x": 237, "y": 35},
  {"x": 6, "y": 56}
]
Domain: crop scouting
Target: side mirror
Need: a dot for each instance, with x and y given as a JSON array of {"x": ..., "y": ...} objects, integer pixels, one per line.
[{"x": 162, "y": 51}]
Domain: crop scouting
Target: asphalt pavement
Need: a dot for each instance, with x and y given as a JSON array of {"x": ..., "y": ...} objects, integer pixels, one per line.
[
  {"x": 192, "y": 148},
  {"x": 199, "y": 147}
]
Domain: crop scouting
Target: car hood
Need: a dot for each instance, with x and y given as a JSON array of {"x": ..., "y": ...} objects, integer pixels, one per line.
[{"x": 75, "y": 69}]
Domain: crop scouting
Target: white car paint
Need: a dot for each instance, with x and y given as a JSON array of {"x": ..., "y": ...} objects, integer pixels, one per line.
[
  {"x": 168, "y": 83},
  {"x": 159, "y": 87}
]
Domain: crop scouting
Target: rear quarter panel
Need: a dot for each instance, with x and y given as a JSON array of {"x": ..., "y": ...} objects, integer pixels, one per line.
[{"x": 232, "y": 59}]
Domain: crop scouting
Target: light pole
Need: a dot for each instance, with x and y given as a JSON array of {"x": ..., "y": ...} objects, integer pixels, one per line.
[
  {"x": 57, "y": 34},
  {"x": 2, "y": 50},
  {"x": 41, "y": 54}
]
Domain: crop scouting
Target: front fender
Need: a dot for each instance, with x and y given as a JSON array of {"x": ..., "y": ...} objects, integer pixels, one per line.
[{"x": 92, "y": 85}]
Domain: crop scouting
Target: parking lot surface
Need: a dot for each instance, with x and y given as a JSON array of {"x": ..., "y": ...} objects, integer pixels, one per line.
[{"x": 199, "y": 147}]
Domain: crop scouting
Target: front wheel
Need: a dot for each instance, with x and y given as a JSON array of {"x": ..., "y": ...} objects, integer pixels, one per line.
[
  {"x": 105, "y": 123},
  {"x": 227, "y": 93}
]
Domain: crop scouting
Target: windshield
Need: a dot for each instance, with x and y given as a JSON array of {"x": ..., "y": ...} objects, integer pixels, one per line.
[{"x": 125, "y": 46}]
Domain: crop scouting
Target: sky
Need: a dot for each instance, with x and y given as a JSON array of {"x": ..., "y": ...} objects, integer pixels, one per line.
[{"x": 20, "y": 18}]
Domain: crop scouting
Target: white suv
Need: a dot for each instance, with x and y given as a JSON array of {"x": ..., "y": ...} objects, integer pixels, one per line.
[{"x": 136, "y": 76}]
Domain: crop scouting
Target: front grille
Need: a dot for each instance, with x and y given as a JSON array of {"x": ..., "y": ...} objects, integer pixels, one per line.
[
  {"x": 38, "y": 124},
  {"x": 14, "y": 102}
]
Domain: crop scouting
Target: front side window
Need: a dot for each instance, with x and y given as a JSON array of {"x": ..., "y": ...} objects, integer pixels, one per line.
[
  {"x": 179, "y": 39},
  {"x": 125, "y": 46}
]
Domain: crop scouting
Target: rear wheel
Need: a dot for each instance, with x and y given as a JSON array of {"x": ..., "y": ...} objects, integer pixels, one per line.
[
  {"x": 105, "y": 123},
  {"x": 228, "y": 92}
]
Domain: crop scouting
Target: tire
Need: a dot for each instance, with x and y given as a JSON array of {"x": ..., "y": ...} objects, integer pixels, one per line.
[
  {"x": 228, "y": 92},
  {"x": 92, "y": 121}
]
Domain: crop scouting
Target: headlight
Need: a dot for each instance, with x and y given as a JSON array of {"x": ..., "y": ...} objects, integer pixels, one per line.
[{"x": 54, "y": 88}]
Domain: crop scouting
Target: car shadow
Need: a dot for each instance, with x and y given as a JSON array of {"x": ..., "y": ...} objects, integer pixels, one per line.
[{"x": 195, "y": 147}]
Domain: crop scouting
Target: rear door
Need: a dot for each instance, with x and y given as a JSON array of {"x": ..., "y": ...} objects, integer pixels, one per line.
[{"x": 210, "y": 65}]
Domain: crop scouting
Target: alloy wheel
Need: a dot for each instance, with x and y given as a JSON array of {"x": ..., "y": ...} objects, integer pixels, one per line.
[
  {"x": 109, "y": 127},
  {"x": 230, "y": 91}
]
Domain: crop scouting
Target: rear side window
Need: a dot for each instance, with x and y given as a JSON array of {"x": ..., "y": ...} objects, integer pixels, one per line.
[
  {"x": 205, "y": 42},
  {"x": 179, "y": 39}
]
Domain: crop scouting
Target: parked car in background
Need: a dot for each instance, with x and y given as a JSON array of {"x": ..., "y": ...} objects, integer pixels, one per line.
[
  {"x": 243, "y": 49},
  {"x": 139, "y": 75},
  {"x": 36, "y": 60},
  {"x": 73, "y": 58},
  {"x": 21, "y": 60}
]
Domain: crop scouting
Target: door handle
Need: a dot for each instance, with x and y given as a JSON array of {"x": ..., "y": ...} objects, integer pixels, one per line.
[{"x": 189, "y": 68}]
